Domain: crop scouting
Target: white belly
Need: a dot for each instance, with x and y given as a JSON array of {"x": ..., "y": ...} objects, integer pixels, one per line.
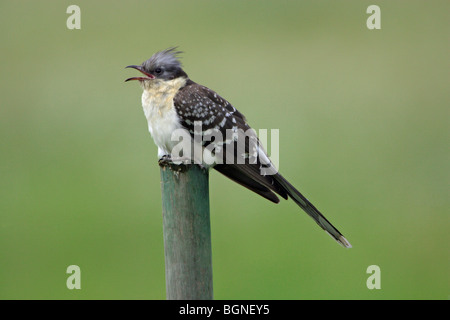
[{"x": 162, "y": 122}]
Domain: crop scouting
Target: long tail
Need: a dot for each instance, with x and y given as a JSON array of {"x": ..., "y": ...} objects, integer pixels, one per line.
[
  {"x": 266, "y": 186},
  {"x": 312, "y": 211}
]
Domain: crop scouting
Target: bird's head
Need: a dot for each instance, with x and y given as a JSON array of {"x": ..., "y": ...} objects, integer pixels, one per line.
[{"x": 163, "y": 66}]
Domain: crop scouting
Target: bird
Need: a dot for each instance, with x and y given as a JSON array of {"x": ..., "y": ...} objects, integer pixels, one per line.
[{"x": 173, "y": 103}]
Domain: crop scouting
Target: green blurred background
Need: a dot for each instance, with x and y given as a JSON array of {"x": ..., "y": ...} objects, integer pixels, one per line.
[{"x": 363, "y": 118}]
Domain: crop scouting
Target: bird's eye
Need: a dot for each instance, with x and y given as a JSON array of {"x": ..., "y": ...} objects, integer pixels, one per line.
[{"x": 158, "y": 70}]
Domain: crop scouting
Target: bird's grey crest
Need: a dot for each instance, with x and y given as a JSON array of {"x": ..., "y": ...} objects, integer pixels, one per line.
[{"x": 168, "y": 59}]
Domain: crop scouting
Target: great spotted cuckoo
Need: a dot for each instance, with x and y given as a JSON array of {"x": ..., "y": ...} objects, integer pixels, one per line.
[{"x": 173, "y": 102}]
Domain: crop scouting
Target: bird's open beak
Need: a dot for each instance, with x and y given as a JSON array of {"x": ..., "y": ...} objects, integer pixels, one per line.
[{"x": 149, "y": 76}]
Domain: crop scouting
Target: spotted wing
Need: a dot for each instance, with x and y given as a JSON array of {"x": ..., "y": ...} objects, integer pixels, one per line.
[{"x": 226, "y": 133}]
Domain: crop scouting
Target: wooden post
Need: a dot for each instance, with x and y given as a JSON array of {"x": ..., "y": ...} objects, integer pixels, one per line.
[{"x": 187, "y": 232}]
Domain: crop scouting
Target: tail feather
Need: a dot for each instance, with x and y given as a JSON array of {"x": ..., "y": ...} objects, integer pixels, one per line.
[
  {"x": 312, "y": 211},
  {"x": 269, "y": 186}
]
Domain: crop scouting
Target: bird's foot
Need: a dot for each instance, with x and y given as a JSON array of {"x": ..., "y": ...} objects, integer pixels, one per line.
[
  {"x": 168, "y": 159},
  {"x": 165, "y": 160}
]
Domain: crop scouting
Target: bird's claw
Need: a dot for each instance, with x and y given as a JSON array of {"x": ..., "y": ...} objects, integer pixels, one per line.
[{"x": 168, "y": 159}]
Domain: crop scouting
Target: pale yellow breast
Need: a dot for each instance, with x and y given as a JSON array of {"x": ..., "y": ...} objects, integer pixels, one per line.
[{"x": 162, "y": 118}]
